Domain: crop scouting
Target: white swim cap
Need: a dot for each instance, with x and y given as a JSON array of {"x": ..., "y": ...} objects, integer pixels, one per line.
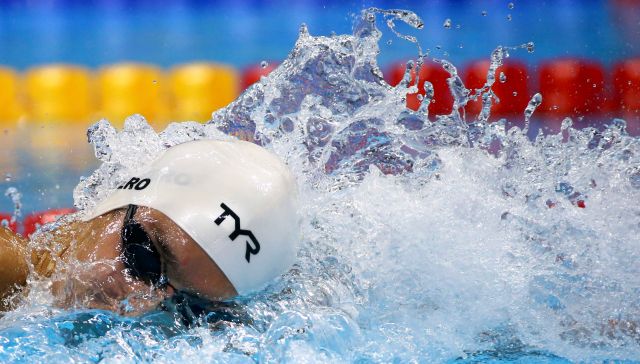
[{"x": 234, "y": 198}]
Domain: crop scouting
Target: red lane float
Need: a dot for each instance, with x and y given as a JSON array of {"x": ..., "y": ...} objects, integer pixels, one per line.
[
  {"x": 252, "y": 74},
  {"x": 442, "y": 102},
  {"x": 512, "y": 90},
  {"x": 7, "y": 217},
  {"x": 36, "y": 219},
  {"x": 571, "y": 88},
  {"x": 626, "y": 88}
]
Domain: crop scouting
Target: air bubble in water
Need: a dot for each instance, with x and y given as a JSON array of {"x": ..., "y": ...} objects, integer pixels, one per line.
[
  {"x": 503, "y": 77},
  {"x": 510, "y": 5},
  {"x": 389, "y": 42},
  {"x": 509, "y": 17},
  {"x": 515, "y": 93},
  {"x": 484, "y": 13},
  {"x": 447, "y": 23},
  {"x": 264, "y": 64}
]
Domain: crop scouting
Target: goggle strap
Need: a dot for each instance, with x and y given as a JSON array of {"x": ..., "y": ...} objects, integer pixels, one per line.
[{"x": 131, "y": 210}]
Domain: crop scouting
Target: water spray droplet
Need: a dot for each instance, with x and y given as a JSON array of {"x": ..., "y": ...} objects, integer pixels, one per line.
[
  {"x": 389, "y": 42},
  {"x": 8, "y": 177},
  {"x": 510, "y": 5},
  {"x": 484, "y": 13},
  {"x": 16, "y": 199},
  {"x": 535, "y": 101},
  {"x": 566, "y": 124},
  {"x": 371, "y": 17},
  {"x": 427, "y": 99},
  {"x": 264, "y": 64},
  {"x": 447, "y": 24},
  {"x": 509, "y": 17},
  {"x": 303, "y": 31},
  {"x": 503, "y": 77},
  {"x": 530, "y": 47},
  {"x": 515, "y": 93}
]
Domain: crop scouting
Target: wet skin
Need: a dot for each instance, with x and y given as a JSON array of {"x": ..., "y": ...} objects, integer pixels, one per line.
[{"x": 90, "y": 273}]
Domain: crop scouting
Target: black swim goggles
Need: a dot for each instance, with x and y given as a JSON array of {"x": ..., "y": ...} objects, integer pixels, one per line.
[
  {"x": 139, "y": 254},
  {"x": 143, "y": 262}
]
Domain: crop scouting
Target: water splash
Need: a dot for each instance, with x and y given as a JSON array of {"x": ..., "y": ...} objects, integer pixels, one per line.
[
  {"x": 16, "y": 200},
  {"x": 533, "y": 104},
  {"x": 427, "y": 238}
]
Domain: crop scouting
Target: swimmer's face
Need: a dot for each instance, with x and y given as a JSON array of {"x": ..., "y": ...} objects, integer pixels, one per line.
[{"x": 98, "y": 278}]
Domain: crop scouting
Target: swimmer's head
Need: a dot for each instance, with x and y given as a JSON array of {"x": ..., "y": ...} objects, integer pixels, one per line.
[{"x": 236, "y": 200}]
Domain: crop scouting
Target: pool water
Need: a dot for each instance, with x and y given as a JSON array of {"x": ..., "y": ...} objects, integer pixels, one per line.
[
  {"x": 96, "y": 33},
  {"x": 436, "y": 240}
]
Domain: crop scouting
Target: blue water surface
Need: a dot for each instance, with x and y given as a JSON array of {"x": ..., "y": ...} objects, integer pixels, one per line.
[{"x": 167, "y": 33}]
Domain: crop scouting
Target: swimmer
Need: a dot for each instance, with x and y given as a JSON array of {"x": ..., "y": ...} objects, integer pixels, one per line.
[{"x": 208, "y": 219}]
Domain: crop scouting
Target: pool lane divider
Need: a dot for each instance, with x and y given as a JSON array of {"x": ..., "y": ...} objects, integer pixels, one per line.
[
  {"x": 572, "y": 88},
  {"x": 33, "y": 221},
  {"x": 60, "y": 93},
  {"x": 197, "y": 89},
  {"x": 626, "y": 88}
]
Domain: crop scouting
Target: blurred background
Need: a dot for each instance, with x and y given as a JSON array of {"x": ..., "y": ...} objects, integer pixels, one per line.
[{"x": 65, "y": 64}]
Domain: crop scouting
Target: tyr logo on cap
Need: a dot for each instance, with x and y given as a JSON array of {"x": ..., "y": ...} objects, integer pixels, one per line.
[{"x": 237, "y": 231}]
